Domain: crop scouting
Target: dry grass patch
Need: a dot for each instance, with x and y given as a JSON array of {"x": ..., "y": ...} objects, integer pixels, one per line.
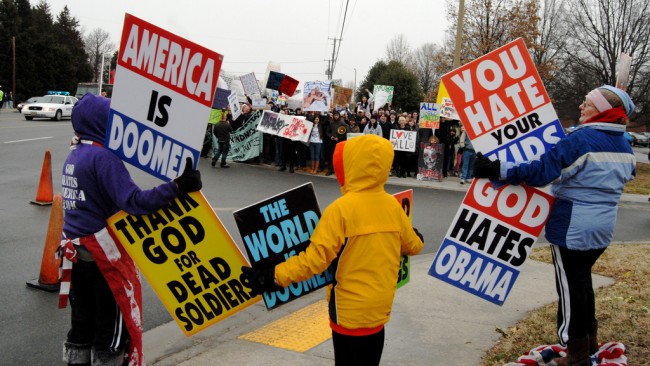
[
  {"x": 640, "y": 184},
  {"x": 622, "y": 309}
]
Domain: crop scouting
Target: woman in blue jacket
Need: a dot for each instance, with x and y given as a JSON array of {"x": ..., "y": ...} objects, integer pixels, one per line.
[{"x": 588, "y": 170}]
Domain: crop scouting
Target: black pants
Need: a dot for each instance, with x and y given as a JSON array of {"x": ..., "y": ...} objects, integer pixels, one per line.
[
  {"x": 96, "y": 318},
  {"x": 358, "y": 350},
  {"x": 576, "y": 310}
]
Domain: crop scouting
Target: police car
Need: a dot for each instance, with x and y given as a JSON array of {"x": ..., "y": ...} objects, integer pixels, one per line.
[{"x": 55, "y": 105}]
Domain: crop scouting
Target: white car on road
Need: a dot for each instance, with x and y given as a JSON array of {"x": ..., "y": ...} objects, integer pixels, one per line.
[{"x": 50, "y": 106}]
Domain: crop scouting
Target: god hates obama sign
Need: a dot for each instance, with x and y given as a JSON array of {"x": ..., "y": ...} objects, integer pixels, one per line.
[
  {"x": 503, "y": 104},
  {"x": 280, "y": 227},
  {"x": 161, "y": 99},
  {"x": 507, "y": 114},
  {"x": 189, "y": 258}
]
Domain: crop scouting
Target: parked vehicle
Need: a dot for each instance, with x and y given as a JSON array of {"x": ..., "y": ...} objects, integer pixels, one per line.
[
  {"x": 639, "y": 139},
  {"x": 53, "y": 106},
  {"x": 22, "y": 105},
  {"x": 83, "y": 88}
]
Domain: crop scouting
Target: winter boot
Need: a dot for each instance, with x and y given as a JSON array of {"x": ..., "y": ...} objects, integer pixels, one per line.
[
  {"x": 76, "y": 354},
  {"x": 316, "y": 164},
  {"x": 593, "y": 338},
  {"x": 104, "y": 358},
  {"x": 577, "y": 353}
]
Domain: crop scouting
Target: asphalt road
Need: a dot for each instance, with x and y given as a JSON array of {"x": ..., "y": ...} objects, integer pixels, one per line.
[{"x": 34, "y": 329}]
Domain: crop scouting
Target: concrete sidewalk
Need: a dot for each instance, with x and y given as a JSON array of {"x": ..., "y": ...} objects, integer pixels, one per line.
[{"x": 432, "y": 323}]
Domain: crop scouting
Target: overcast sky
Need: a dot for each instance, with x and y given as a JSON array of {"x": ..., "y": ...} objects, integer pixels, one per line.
[{"x": 294, "y": 33}]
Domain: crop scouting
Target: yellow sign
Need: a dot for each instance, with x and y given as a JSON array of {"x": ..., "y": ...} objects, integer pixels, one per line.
[
  {"x": 189, "y": 258},
  {"x": 405, "y": 198}
]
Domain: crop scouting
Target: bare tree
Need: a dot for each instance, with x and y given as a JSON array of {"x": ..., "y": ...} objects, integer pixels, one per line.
[
  {"x": 429, "y": 62},
  {"x": 549, "y": 47},
  {"x": 398, "y": 49},
  {"x": 601, "y": 30},
  {"x": 98, "y": 44}
]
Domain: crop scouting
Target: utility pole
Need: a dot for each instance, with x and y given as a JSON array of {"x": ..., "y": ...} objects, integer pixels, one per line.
[
  {"x": 459, "y": 33},
  {"x": 13, "y": 84},
  {"x": 330, "y": 68}
]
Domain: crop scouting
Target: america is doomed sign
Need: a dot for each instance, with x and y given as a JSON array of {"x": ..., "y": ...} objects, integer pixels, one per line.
[{"x": 161, "y": 99}]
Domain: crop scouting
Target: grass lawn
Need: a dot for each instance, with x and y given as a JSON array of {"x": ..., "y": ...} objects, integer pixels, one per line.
[
  {"x": 640, "y": 184},
  {"x": 622, "y": 309}
]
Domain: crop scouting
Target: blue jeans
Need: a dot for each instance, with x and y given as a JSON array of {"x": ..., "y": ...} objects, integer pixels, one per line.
[
  {"x": 467, "y": 171},
  {"x": 314, "y": 150},
  {"x": 221, "y": 148}
]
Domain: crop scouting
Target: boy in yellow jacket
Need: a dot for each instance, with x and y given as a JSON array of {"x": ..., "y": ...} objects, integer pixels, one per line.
[{"x": 363, "y": 233}]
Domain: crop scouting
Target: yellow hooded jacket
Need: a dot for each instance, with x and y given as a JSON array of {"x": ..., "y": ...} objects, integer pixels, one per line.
[{"x": 364, "y": 233}]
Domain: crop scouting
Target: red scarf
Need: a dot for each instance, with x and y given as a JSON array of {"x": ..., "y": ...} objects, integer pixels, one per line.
[{"x": 615, "y": 115}]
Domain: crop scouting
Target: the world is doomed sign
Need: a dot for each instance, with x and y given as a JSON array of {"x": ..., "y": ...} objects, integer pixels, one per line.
[
  {"x": 189, "y": 258},
  {"x": 278, "y": 228},
  {"x": 161, "y": 99}
]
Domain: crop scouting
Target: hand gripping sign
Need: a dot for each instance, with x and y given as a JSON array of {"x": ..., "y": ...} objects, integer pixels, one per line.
[
  {"x": 189, "y": 258},
  {"x": 508, "y": 115},
  {"x": 161, "y": 98}
]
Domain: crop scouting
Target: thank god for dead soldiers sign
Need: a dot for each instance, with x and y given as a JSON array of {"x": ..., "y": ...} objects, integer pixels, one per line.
[
  {"x": 280, "y": 227},
  {"x": 189, "y": 258},
  {"x": 161, "y": 99},
  {"x": 508, "y": 115}
]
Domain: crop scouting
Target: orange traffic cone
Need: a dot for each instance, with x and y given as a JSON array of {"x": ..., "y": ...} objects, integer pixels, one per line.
[
  {"x": 48, "y": 279},
  {"x": 44, "y": 194}
]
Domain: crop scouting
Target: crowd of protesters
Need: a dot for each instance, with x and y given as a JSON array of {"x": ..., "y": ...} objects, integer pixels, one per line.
[{"x": 330, "y": 128}]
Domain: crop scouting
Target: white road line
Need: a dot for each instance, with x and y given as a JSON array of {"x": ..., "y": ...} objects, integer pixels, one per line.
[{"x": 38, "y": 138}]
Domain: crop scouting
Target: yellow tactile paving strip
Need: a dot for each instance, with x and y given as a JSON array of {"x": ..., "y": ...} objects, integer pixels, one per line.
[{"x": 298, "y": 331}]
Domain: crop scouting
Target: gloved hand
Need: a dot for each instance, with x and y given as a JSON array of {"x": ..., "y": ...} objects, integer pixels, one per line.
[
  {"x": 418, "y": 234},
  {"x": 486, "y": 168},
  {"x": 190, "y": 180},
  {"x": 260, "y": 279}
]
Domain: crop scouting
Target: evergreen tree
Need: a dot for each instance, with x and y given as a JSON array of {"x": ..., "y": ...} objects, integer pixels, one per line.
[{"x": 407, "y": 94}]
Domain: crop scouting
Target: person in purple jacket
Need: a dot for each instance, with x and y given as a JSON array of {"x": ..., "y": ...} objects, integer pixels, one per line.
[{"x": 96, "y": 185}]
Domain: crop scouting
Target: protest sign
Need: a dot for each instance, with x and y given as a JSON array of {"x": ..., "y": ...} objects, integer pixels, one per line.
[
  {"x": 246, "y": 141},
  {"x": 623, "y": 72},
  {"x": 317, "y": 96},
  {"x": 342, "y": 98},
  {"x": 507, "y": 114},
  {"x": 350, "y": 135},
  {"x": 295, "y": 128},
  {"x": 270, "y": 123},
  {"x": 430, "y": 162},
  {"x": 220, "y": 100},
  {"x": 259, "y": 103},
  {"x": 405, "y": 198},
  {"x": 216, "y": 115},
  {"x": 249, "y": 83},
  {"x": 282, "y": 83},
  {"x": 403, "y": 140},
  {"x": 503, "y": 104},
  {"x": 233, "y": 103},
  {"x": 490, "y": 238},
  {"x": 382, "y": 94},
  {"x": 189, "y": 259},
  {"x": 447, "y": 108},
  {"x": 429, "y": 115},
  {"x": 159, "y": 104},
  {"x": 278, "y": 228}
]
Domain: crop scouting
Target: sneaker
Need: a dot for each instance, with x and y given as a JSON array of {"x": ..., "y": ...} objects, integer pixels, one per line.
[
  {"x": 214, "y": 162},
  {"x": 462, "y": 181},
  {"x": 225, "y": 166}
]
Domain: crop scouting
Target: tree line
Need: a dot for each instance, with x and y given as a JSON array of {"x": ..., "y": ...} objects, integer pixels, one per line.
[
  {"x": 575, "y": 44},
  {"x": 51, "y": 53}
]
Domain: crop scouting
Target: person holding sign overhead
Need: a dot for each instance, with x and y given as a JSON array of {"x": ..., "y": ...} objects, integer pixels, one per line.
[
  {"x": 588, "y": 169},
  {"x": 97, "y": 274},
  {"x": 363, "y": 234}
]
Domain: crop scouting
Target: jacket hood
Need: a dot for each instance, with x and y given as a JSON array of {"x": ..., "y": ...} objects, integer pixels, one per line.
[
  {"x": 90, "y": 117},
  {"x": 363, "y": 163}
]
